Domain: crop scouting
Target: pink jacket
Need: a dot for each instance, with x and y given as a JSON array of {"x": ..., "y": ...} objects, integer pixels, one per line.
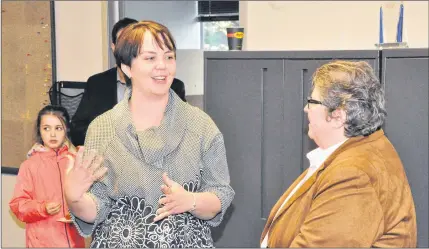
[{"x": 39, "y": 181}]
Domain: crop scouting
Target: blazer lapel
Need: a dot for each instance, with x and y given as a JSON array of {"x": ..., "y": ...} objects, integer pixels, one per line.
[
  {"x": 279, "y": 204},
  {"x": 307, "y": 184},
  {"x": 300, "y": 191}
]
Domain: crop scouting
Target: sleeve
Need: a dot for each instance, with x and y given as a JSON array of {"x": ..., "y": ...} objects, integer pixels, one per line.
[
  {"x": 23, "y": 205},
  {"x": 82, "y": 117},
  {"x": 98, "y": 190},
  {"x": 215, "y": 177},
  {"x": 346, "y": 212},
  {"x": 103, "y": 204}
]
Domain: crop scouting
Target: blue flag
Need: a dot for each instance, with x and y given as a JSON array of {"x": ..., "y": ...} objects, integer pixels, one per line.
[
  {"x": 381, "y": 35},
  {"x": 400, "y": 26}
]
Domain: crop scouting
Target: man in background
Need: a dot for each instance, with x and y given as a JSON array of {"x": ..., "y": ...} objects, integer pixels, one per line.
[{"x": 104, "y": 90}]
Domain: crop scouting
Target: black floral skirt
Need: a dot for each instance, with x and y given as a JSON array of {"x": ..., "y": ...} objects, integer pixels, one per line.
[{"x": 130, "y": 225}]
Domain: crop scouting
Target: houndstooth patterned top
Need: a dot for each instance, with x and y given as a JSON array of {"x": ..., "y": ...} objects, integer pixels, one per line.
[{"x": 187, "y": 145}]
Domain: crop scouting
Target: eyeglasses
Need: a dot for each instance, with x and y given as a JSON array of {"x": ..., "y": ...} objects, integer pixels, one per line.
[{"x": 312, "y": 101}]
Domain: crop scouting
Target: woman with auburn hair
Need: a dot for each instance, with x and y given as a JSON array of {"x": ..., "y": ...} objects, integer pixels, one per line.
[{"x": 167, "y": 176}]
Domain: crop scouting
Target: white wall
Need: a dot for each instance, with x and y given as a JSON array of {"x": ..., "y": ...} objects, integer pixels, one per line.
[
  {"x": 178, "y": 16},
  {"x": 329, "y": 25},
  {"x": 190, "y": 70},
  {"x": 81, "y": 39}
]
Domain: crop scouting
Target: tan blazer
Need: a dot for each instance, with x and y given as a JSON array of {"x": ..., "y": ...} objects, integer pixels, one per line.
[{"x": 359, "y": 197}]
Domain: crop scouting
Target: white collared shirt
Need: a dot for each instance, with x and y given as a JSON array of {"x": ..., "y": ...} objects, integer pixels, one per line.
[
  {"x": 316, "y": 158},
  {"x": 120, "y": 87}
]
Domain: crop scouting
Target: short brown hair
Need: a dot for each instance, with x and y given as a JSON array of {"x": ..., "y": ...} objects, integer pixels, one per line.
[{"x": 131, "y": 39}]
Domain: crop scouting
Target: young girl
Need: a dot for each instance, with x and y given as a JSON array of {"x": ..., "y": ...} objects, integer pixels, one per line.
[{"x": 38, "y": 198}]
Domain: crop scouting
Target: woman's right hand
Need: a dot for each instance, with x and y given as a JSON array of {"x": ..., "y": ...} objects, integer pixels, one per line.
[
  {"x": 52, "y": 208},
  {"x": 81, "y": 174}
]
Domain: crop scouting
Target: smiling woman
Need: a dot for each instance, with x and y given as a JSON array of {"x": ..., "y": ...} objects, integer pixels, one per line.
[
  {"x": 154, "y": 66},
  {"x": 167, "y": 176}
]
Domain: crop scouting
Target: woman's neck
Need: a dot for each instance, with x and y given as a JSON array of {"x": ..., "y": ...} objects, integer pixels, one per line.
[{"x": 147, "y": 110}]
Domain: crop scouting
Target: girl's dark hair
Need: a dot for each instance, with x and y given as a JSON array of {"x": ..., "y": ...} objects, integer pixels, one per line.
[{"x": 59, "y": 112}]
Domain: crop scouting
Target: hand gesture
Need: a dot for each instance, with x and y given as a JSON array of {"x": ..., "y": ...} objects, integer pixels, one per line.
[
  {"x": 36, "y": 147},
  {"x": 52, "y": 208},
  {"x": 176, "y": 201},
  {"x": 81, "y": 174}
]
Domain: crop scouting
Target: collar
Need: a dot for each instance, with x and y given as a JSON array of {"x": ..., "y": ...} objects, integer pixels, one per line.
[
  {"x": 354, "y": 142},
  {"x": 64, "y": 150},
  {"x": 118, "y": 78},
  {"x": 318, "y": 156},
  {"x": 155, "y": 143}
]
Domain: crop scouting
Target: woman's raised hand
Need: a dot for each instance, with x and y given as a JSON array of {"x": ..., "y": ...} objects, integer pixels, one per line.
[{"x": 81, "y": 174}]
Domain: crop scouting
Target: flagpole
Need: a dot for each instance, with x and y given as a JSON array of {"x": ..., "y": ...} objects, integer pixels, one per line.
[{"x": 381, "y": 31}]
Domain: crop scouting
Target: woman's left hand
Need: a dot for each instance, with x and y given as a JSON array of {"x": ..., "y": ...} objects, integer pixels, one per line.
[{"x": 176, "y": 201}]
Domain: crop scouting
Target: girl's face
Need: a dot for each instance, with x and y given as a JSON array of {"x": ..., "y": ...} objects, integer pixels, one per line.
[{"x": 52, "y": 131}]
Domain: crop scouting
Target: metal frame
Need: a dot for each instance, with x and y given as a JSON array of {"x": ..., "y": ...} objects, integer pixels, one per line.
[
  {"x": 55, "y": 91},
  {"x": 53, "y": 51}
]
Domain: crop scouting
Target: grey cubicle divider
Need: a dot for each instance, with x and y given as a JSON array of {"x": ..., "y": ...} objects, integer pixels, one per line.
[
  {"x": 256, "y": 98},
  {"x": 405, "y": 77}
]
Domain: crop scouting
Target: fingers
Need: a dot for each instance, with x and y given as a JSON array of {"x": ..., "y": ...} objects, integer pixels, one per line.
[
  {"x": 52, "y": 204},
  {"x": 99, "y": 174},
  {"x": 91, "y": 164},
  {"x": 95, "y": 164},
  {"x": 56, "y": 209},
  {"x": 167, "y": 180},
  {"x": 164, "y": 212},
  {"x": 79, "y": 156},
  {"x": 164, "y": 201},
  {"x": 53, "y": 208},
  {"x": 89, "y": 158},
  {"x": 70, "y": 164},
  {"x": 166, "y": 190},
  {"x": 161, "y": 216}
]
